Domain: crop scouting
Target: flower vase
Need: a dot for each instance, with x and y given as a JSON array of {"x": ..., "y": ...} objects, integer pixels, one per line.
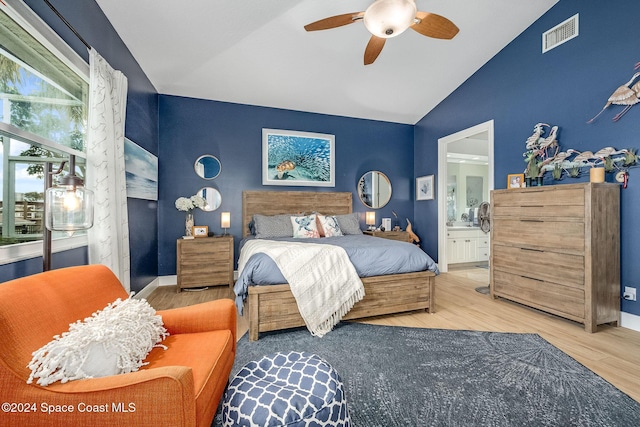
[{"x": 188, "y": 225}]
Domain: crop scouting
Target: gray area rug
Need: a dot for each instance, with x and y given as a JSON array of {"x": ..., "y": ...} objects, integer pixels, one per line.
[{"x": 396, "y": 376}]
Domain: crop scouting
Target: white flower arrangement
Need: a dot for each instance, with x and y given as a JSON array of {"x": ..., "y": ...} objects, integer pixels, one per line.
[{"x": 187, "y": 204}]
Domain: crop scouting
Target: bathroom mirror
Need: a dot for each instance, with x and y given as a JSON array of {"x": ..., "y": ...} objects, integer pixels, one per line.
[
  {"x": 207, "y": 166},
  {"x": 213, "y": 198},
  {"x": 374, "y": 189}
]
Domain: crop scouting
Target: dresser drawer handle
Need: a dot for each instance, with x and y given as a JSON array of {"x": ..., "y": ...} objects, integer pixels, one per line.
[
  {"x": 532, "y": 220},
  {"x": 533, "y": 278},
  {"x": 531, "y": 250}
]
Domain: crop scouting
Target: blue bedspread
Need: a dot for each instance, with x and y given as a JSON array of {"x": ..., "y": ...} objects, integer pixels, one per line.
[{"x": 371, "y": 256}]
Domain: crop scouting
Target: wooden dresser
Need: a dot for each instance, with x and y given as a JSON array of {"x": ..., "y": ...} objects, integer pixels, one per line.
[
  {"x": 204, "y": 261},
  {"x": 557, "y": 248},
  {"x": 402, "y": 236}
]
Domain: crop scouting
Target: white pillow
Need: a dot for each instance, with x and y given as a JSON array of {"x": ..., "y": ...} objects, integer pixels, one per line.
[
  {"x": 114, "y": 340},
  {"x": 330, "y": 226},
  {"x": 305, "y": 226}
]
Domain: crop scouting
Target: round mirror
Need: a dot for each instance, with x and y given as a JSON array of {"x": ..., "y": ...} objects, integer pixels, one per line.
[
  {"x": 374, "y": 189},
  {"x": 213, "y": 198},
  {"x": 207, "y": 166}
]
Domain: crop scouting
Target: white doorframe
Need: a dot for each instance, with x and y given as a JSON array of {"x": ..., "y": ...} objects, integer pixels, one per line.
[{"x": 442, "y": 182}]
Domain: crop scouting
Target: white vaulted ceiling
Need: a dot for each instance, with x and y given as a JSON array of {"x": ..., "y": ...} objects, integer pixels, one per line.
[{"x": 258, "y": 53}]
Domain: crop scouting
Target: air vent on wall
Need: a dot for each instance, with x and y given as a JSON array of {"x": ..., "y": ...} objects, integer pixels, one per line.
[{"x": 559, "y": 34}]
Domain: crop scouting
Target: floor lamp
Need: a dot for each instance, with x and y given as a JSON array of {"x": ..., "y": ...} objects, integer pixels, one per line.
[{"x": 68, "y": 206}]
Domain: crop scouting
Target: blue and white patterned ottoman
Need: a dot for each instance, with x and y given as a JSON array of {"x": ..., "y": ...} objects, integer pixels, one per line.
[{"x": 293, "y": 389}]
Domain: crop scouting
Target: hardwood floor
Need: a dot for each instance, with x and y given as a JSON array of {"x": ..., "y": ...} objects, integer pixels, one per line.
[{"x": 613, "y": 353}]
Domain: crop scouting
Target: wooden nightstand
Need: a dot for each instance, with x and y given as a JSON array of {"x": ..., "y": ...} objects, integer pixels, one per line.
[
  {"x": 204, "y": 261},
  {"x": 402, "y": 236}
]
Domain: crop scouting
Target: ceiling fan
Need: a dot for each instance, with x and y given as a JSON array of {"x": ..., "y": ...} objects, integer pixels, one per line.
[{"x": 388, "y": 18}]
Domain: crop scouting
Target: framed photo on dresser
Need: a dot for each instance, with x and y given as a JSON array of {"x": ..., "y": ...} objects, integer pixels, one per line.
[{"x": 200, "y": 231}]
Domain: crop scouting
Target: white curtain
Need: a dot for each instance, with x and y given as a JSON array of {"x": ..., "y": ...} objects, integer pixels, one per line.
[{"x": 109, "y": 237}]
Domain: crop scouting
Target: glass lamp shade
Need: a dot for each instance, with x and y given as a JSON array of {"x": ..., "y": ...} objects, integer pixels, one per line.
[
  {"x": 370, "y": 218},
  {"x": 225, "y": 220},
  {"x": 68, "y": 208},
  {"x": 388, "y": 18}
]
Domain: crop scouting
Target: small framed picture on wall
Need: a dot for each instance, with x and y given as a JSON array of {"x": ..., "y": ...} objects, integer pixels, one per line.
[{"x": 425, "y": 189}]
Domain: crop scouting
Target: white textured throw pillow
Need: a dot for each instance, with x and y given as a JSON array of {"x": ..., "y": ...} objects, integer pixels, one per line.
[{"x": 114, "y": 340}]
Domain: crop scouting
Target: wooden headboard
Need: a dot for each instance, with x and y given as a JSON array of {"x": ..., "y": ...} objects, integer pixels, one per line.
[{"x": 284, "y": 202}]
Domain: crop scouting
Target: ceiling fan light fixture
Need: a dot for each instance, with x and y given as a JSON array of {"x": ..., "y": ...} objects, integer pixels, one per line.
[{"x": 389, "y": 18}]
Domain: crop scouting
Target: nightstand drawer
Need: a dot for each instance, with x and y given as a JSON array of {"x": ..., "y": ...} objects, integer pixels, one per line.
[{"x": 208, "y": 277}]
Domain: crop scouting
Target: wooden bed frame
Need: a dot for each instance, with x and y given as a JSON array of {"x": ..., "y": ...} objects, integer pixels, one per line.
[{"x": 274, "y": 308}]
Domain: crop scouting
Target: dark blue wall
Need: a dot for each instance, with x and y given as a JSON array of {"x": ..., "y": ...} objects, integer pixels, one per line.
[
  {"x": 566, "y": 86},
  {"x": 141, "y": 127},
  {"x": 233, "y": 132}
]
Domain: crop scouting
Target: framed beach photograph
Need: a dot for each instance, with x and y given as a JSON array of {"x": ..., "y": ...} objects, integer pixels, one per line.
[
  {"x": 425, "y": 188},
  {"x": 298, "y": 158},
  {"x": 515, "y": 180}
]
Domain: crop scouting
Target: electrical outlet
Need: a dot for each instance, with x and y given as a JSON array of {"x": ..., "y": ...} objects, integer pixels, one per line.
[{"x": 629, "y": 293}]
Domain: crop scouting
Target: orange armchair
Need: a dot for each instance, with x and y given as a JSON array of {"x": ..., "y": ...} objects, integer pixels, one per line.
[{"x": 180, "y": 386}]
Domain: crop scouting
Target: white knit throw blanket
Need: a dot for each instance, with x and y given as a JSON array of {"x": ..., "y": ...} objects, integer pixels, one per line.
[{"x": 322, "y": 279}]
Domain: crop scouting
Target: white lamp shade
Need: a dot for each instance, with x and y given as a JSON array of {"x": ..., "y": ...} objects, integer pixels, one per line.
[
  {"x": 388, "y": 18},
  {"x": 225, "y": 219},
  {"x": 69, "y": 208},
  {"x": 370, "y": 218}
]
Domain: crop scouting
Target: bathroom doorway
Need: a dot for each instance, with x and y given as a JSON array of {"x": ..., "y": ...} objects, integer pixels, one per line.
[{"x": 465, "y": 179}]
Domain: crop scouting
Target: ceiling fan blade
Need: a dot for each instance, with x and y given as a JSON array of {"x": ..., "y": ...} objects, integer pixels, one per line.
[
  {"x": 374, "y": 47},
  {"x": 334, "y": 21},
  {"x": 436, "y": 26}
]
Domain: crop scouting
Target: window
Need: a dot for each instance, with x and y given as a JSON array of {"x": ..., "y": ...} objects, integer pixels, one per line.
[{"x": 44, "y": 95}]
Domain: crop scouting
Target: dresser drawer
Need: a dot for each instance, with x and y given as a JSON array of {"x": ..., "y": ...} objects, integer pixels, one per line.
[
  {"x": 561, "y": 268},
  {"x": 552, "y": 297},
  {"x": 562, "y": 236},
  {"x": 567, "y": 202}
]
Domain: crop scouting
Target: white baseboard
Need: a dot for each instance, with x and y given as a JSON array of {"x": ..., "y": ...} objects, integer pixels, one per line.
[
  {"x": 168, "y": 280},
  {"x": 173, "y": 280},
  {"x": 630, "y": 321},
  {"x": 147, "y": 290}
]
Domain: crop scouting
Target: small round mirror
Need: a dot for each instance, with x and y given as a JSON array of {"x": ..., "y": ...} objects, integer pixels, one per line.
[
  {"x": 213, "y": 198},
  {"x": 207, "y": 166},
  {"x": 374, "y": 189}
]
